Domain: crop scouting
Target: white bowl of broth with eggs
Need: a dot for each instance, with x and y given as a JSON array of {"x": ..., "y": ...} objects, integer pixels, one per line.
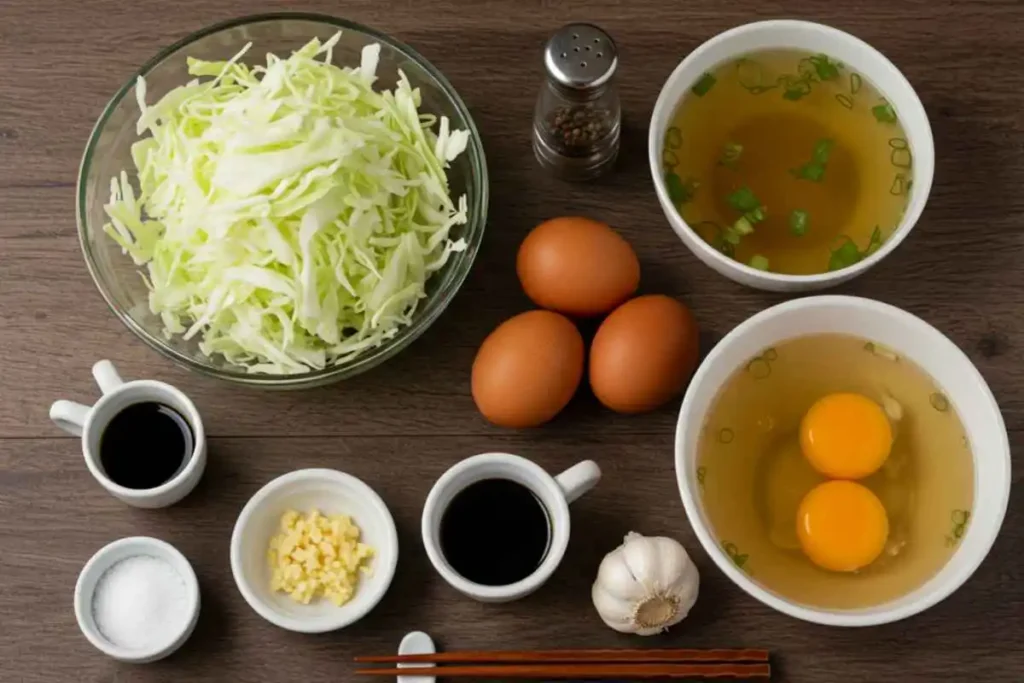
[
  {"x": 842, "y": 461},
  {"x": 790, "y": 156}
]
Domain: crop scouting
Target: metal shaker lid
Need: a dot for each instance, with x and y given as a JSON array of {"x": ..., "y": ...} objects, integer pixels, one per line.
[{"x": 580, "y": 56}]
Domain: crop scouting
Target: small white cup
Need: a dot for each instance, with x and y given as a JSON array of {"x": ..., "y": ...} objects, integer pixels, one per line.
[
  {"x": 909, "y": 337},
  {"x": 90, "y": 421},
  {"x": 810, "y": 37},
  {"x": 554, "y": 493}
]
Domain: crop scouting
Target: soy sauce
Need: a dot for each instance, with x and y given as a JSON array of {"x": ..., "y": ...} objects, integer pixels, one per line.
[
  {"x": 495, "y": 532},
  {"x": 145, "y": 445}
]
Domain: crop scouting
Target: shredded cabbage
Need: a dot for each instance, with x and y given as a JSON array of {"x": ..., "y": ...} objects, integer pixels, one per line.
[{"x": 288, "y": 214}]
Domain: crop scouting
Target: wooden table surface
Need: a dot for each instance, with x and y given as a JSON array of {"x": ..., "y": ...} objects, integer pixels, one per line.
[{"x": 400, "y": 426}]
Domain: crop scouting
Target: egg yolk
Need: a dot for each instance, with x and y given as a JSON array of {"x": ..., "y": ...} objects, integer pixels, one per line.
[
  {"x": 846, "y": 436},
  {"x": 842, "y": 526}
]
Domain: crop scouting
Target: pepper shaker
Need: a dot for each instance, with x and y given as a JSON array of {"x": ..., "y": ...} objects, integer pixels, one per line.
[{"x": 577, "y": 120}]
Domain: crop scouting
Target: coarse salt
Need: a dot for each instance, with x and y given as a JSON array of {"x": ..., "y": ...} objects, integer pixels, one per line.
[{"x": 141, "y": 603}]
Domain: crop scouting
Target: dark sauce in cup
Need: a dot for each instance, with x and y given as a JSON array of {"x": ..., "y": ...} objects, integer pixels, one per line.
[
  {"x": 145, "y": 445},
  {"x": 495, "y": 532}
]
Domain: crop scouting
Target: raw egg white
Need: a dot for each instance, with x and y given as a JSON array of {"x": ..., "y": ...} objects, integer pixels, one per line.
[
  {"x": 577, "y": 266},
  {"x": 528, "y": 369}
]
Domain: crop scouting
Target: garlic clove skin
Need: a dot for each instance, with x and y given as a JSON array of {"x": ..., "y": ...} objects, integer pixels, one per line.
[
  {"x": 670, "y": 566},
  {"x": 614, "y": 611},
  {"x": 616, "y": 577},
  {"x": 645, "y": 585},
  {"x": 643, "y": 560}
]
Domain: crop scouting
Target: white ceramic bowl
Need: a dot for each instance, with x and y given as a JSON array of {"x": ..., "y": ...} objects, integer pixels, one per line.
[
  {"x": 908, "y": 336},
  {"x": 811, "y": 37},
  {"x": 332, "y": 493},
  {"x": 104, "y": 559}
]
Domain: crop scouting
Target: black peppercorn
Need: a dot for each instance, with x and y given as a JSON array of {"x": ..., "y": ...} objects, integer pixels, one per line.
[{"x": 574, "y": 129}]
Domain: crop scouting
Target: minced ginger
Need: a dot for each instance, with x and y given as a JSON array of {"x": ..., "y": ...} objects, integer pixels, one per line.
[{"x": 317, "y": 555}]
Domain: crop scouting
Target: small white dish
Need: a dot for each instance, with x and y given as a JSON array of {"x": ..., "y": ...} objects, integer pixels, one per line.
[
  {"x": 810, "y": 37},
  {"x": 332, "y": 493},
  {"x": 105, "y": 558},
  {"x": 908, "y": 336}
]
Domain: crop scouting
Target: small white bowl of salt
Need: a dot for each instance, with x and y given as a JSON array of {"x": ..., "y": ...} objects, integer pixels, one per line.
[{"x": 137, "y": 599}]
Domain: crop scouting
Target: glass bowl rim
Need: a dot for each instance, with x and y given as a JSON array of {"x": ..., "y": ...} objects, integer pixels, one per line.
[{"x": 435, "y": 304}]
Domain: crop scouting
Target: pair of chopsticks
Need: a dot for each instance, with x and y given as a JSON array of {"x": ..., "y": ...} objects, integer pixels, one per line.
[{"x": 581, "y": 664}]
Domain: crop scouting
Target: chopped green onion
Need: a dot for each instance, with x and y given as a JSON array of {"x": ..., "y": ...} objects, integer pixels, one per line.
[
  {"x": 805, "y": 67},
  {"x": 743, "y": 226},
  {"x": 744, "y": 200},
  {"x": 826, "y": 68},
  {"x": 855, "y": 83},
  {"x": 704, "y": 85},
  {"x": 795, "y": 87},
  {"x": 900, "y": 156},
  {"x": 810, "y": 171},
  {"x": 759, "y": 262},
  {"x": 884, "y": 113},
  {"x": 814, "y": 170},
  {"x": 845, "y": 100},
  {"x": 798, "y": 220},
  {"x": 753, "y": 77},
  {"x": 731, "y": 152},
  {"x": 723, "y": 246},
  {"x": 874, "y": 242},
  {"x": 679, "y": 191},
  {"x": 822, "y": 150},
  {"x": 848, "y": 254}
]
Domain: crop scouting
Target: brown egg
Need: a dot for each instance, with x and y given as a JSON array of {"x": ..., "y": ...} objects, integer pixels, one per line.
[
  {"x": 528, "y": 369},
  {"x": 577, "y": 266},
  {"x": 643, "y": 354}
]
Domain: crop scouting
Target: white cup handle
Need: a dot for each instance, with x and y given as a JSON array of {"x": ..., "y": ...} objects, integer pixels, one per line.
[
  {"x": 106, "y": 376},
  {"x": 578, "y": 479},
  {"x": 69, "y": 416}
]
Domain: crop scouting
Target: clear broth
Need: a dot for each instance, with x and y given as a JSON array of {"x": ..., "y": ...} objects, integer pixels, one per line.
[
  {"x": 776, "y": 108},
  {"x": 752, "y": 474}
]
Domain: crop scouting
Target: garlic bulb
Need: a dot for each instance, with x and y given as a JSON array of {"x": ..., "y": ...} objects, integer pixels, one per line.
[{"x": 645, "y": 585}]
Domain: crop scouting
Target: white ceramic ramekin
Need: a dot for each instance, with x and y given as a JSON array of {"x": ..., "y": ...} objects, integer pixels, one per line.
[
  {"x": 801, "y": 35},
  {"x": 105, "y": 558}
]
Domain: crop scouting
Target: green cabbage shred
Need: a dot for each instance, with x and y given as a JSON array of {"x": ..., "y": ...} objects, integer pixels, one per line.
[{"x": 288, "y": 214}]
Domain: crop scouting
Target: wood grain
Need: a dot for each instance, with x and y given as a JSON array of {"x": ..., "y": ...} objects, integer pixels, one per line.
[
  {"x": 557, "y": 672},
  {"x": 647, "y": 655},
  {"x": 402, "y": 425}
]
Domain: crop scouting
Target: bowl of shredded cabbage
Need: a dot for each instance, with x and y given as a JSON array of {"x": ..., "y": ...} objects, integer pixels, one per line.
[{"x": 282, "y": 200}]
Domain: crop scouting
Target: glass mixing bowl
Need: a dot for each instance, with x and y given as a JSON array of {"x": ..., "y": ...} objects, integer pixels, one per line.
[{"x": 109, "y": 152}]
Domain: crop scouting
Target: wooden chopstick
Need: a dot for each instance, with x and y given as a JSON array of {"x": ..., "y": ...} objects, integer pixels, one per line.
[
  {"x": 590, "y": 656},
  {"x": 583, "y": 671}
]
